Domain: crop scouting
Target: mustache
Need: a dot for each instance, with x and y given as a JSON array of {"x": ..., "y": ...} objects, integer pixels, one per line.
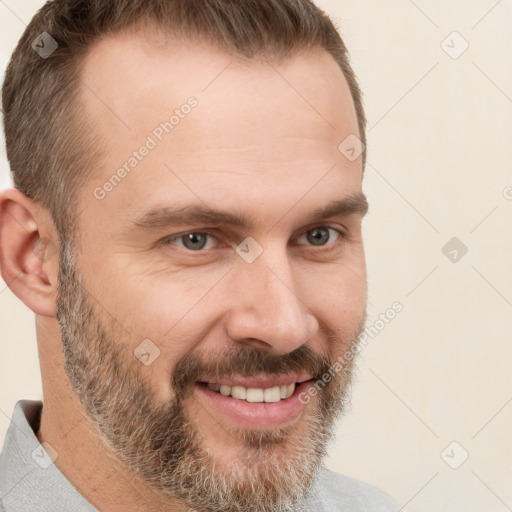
[{"x": 248, "y": 362}]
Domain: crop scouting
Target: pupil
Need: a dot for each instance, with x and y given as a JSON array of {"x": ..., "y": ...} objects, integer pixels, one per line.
[
  {"x": 318, "y": 236},
  {"x": 194, "y": 241}
]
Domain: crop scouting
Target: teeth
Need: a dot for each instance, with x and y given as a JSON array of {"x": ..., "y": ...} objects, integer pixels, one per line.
[
  {"x": 239, "y": 392},
  {"x": 272, "y": 394},
  {"x": 225, "y": 390},
  {"x": 256, "y": 395}
]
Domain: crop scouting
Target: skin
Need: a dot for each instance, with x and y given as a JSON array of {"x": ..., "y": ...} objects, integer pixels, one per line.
[{"x": 252, "y": 145}]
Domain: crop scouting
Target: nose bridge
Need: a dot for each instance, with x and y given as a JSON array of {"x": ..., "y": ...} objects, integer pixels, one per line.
[{"x": 266, "y": 305}]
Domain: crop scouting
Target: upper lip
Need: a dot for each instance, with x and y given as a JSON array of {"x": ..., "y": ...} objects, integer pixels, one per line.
[{"x": 261, "y": 382}]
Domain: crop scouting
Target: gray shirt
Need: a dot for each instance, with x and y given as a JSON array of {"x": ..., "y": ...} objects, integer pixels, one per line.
[{"x": 31, "y": 482}]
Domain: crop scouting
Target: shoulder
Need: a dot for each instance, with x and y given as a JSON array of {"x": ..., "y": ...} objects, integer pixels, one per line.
[{"x": 335, "y": 492}]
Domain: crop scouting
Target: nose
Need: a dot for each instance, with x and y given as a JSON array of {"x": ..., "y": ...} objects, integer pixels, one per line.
[{"x": 267, "y": 308}]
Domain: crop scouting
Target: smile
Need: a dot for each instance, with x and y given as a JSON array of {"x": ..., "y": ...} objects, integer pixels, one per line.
[
  {"x": 256, "y": 395},
  {"x": 254, "y": 402}
]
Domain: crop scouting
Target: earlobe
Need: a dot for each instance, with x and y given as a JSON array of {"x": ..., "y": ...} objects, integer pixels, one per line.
[{"x": 28, "y": 252}]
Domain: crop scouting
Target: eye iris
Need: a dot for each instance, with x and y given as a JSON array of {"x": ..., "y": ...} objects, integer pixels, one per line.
[
  {"x": 318, "y": 236},
  {"x": 194, "y": 241}
]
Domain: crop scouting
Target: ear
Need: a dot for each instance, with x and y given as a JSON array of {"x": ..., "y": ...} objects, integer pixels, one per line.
[{"x": 29, "y": 252}]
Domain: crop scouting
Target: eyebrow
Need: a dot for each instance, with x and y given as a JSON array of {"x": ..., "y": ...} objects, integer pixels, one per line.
[{"x": 197, "y": 214}]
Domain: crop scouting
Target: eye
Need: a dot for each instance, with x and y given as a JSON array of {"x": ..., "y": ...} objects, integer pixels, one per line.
[
  {"x": 193, "y": 241},
  {"x": 320, "y": 236}
]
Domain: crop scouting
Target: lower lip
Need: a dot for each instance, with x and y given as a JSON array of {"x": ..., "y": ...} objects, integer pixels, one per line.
[{"x": 254, "y": 415}]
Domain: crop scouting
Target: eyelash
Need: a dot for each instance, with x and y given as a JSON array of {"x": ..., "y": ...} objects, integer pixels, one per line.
[{"x": 173, "y": 238}]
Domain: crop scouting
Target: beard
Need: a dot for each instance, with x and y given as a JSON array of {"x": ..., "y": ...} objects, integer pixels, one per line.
[{"x": 273, "y": 469}]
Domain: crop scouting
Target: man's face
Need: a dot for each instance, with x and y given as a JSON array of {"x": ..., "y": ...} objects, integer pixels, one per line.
[{"x": 178, "y": 309}]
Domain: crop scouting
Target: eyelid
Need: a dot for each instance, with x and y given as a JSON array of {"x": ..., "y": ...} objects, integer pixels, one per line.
[
  {"x": 337, "y": 227},
  {"x": 342, "y": 231},
  {"x": 169, "y": 239},
  {"x": 201, "y": 231}
]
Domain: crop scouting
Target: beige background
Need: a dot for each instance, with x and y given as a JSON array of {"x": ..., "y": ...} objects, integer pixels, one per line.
[{"x": 439, "y": 166}]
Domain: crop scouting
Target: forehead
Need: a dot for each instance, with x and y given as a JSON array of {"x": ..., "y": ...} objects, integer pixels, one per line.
[{"x": 254, "y": 123}]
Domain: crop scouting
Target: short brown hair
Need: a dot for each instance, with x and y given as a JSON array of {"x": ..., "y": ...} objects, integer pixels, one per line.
[{"x": 49, "y": 156}]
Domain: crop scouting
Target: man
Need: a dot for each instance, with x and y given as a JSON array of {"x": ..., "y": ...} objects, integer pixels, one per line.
[{"x": 186, "y": 226}]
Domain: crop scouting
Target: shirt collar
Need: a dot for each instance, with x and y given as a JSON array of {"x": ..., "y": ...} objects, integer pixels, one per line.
[{"x": 29, "y": 479}]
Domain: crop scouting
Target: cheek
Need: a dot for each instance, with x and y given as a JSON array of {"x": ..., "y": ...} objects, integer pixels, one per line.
[
  {"x": 167, "y": 316},
  {"x": 160, "y": 304},
  {"x": 351, "y": 289},
  {"x": 336, "y": 292}
]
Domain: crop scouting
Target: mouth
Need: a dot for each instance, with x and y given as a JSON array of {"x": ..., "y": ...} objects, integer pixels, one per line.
[
  {"x": 255, "y": 402},
  {"x": 255, "y": 395}
]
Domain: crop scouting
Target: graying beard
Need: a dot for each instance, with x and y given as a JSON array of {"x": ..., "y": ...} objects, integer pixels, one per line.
[{"x": 94, "y": 367}]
